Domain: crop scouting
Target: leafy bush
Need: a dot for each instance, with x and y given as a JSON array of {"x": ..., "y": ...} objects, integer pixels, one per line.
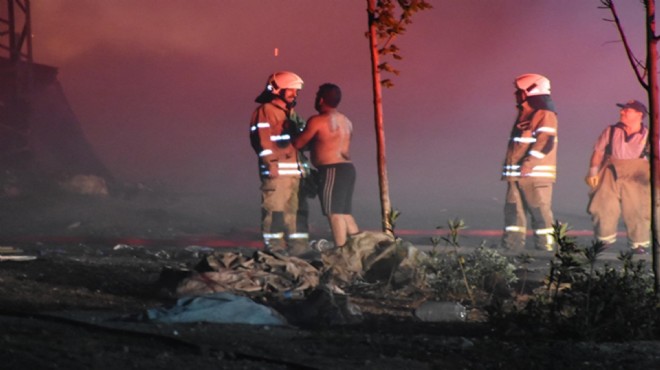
[
  {"x": 583, "y": 302},
  {"x": 476, "y": 276}
]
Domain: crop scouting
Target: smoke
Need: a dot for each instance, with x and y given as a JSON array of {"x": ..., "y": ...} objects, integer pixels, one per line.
[{"x": 164, "y": 91}]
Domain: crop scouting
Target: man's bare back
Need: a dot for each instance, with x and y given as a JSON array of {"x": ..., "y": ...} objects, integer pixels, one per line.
[
  {"x": 330, "y": 133},
  {"x": 328, "y": 136}
]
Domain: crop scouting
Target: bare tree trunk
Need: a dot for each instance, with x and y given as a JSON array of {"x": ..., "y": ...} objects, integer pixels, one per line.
[
  {"x": 647, "y": 75},
  {"x": 378, "y": 114},
  {"x": 652, "y": 72}
]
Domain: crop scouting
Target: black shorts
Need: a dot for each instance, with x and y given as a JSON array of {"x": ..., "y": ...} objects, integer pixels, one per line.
[{"x": 336, "y": 184}]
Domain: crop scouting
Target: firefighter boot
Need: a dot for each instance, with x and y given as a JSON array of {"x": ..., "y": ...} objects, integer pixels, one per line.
[
  {"x": 513, "y": 241},
  {"x": 544, "y": 241},
  {"x": 276, "y": 245},
  {"x": 298, "y": 246}
]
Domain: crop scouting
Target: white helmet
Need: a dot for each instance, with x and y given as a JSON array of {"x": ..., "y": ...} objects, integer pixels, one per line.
[
  {"x": 533, "y": 84},
  {"x": 283, "y": 80}
]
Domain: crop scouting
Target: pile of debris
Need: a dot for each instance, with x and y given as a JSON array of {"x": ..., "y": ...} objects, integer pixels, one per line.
[
  {"x": 308, "y": 286},
  {"x": 371, "y": 256}
]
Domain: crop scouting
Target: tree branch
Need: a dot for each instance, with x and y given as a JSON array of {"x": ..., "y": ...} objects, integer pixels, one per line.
[{"x": 634, "y": 62}]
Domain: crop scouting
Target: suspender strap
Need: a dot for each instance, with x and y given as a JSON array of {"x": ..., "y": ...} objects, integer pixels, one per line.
[
  {"x": 647, "y": 148},
  {"x": 608, "y": 148},
  {"x": 645, "y": 151}
]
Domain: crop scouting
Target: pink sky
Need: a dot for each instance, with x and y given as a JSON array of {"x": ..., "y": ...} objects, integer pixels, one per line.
[{"x": 164, "y": 90}]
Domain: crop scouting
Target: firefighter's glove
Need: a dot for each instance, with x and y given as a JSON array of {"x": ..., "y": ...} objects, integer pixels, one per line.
[{"x": 592, "y": 181}]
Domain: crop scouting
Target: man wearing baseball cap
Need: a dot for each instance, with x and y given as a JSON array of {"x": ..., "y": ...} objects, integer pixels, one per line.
[{"x": 619, "y": 179}]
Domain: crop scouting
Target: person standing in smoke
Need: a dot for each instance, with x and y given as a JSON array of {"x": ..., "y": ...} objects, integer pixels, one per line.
[
  {"x": 328, "y": 135},
  {"x": 284, "y": 211},
  {"x": 619, "y": 178},
  {"x": 530, "y": 165}
]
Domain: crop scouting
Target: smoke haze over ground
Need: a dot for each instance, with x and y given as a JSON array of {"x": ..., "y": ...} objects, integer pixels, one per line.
[{"x": 164, "y": 90}]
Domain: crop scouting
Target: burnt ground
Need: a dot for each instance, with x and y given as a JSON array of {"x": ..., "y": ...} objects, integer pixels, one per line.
[{"x": 62, "y": 309}]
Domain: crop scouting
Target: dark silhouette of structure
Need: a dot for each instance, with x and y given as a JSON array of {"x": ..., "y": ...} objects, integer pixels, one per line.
[{"x": 39, "y": 133}]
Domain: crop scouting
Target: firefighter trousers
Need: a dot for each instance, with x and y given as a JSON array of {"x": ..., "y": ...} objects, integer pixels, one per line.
[
  {"x": 623, "y": 191},
  {"x": 533, "y": 198},
  {"x": 284, "y": 213}
]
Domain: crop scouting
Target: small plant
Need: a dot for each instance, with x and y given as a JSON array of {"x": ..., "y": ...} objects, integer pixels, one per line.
[
  {"x": 524, "y": 260},
  {"x": 455, "y": 226},
  {"x": 392, "y": 217},
  {"x": 451, "y": 275},
  {"x": 565, "y": 265}
]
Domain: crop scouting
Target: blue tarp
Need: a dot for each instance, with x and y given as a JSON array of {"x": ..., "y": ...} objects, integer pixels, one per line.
[{"x": 222, "y": 307}]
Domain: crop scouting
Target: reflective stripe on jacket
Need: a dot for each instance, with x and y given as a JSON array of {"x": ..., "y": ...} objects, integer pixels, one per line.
[
  {"x": 271, "y": 128},
  {"x": 533, "y": 145}
]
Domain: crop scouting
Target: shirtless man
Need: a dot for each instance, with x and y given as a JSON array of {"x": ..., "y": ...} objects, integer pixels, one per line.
[{"x": 329, "y": 137}]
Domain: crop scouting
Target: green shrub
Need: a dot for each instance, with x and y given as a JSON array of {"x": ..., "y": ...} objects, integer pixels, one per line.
[
  {"x": 583, "y": 302},
  {"x": 475, "y": 276}
]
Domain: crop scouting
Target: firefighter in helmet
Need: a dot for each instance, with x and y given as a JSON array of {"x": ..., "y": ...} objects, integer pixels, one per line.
[
  {"x": 530, "y": 165},
  {"x": 274, "y": 123}
]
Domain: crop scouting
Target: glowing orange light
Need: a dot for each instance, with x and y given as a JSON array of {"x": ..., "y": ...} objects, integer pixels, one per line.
[{"x": 276, "y": 52}]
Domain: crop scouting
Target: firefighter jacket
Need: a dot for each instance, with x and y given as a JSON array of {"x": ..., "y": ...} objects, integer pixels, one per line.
[
  {"x": 271, "y": 130},
  {"x": 532, "y": 150}
]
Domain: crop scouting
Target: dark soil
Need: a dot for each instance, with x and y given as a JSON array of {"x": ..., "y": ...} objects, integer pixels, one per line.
[{"x": 62, "y": 309}]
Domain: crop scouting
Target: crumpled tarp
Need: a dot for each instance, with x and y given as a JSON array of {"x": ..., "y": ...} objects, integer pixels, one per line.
[
  {"x": 361, "y": 251},
  {"x": 222, "y": 307},
  {"x": 370, "y": 255},
  {"x": 373, "y": 256},
  {"x": 262, "y": 273}
]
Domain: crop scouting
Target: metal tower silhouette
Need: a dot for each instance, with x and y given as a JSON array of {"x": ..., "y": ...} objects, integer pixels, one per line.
[
  {"x": 16, "y": 77},
  {"x": 16, "y": 30}
]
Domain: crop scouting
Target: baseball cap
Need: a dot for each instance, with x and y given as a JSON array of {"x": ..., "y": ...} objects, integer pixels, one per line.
[{"x": 634, "y": 104}]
